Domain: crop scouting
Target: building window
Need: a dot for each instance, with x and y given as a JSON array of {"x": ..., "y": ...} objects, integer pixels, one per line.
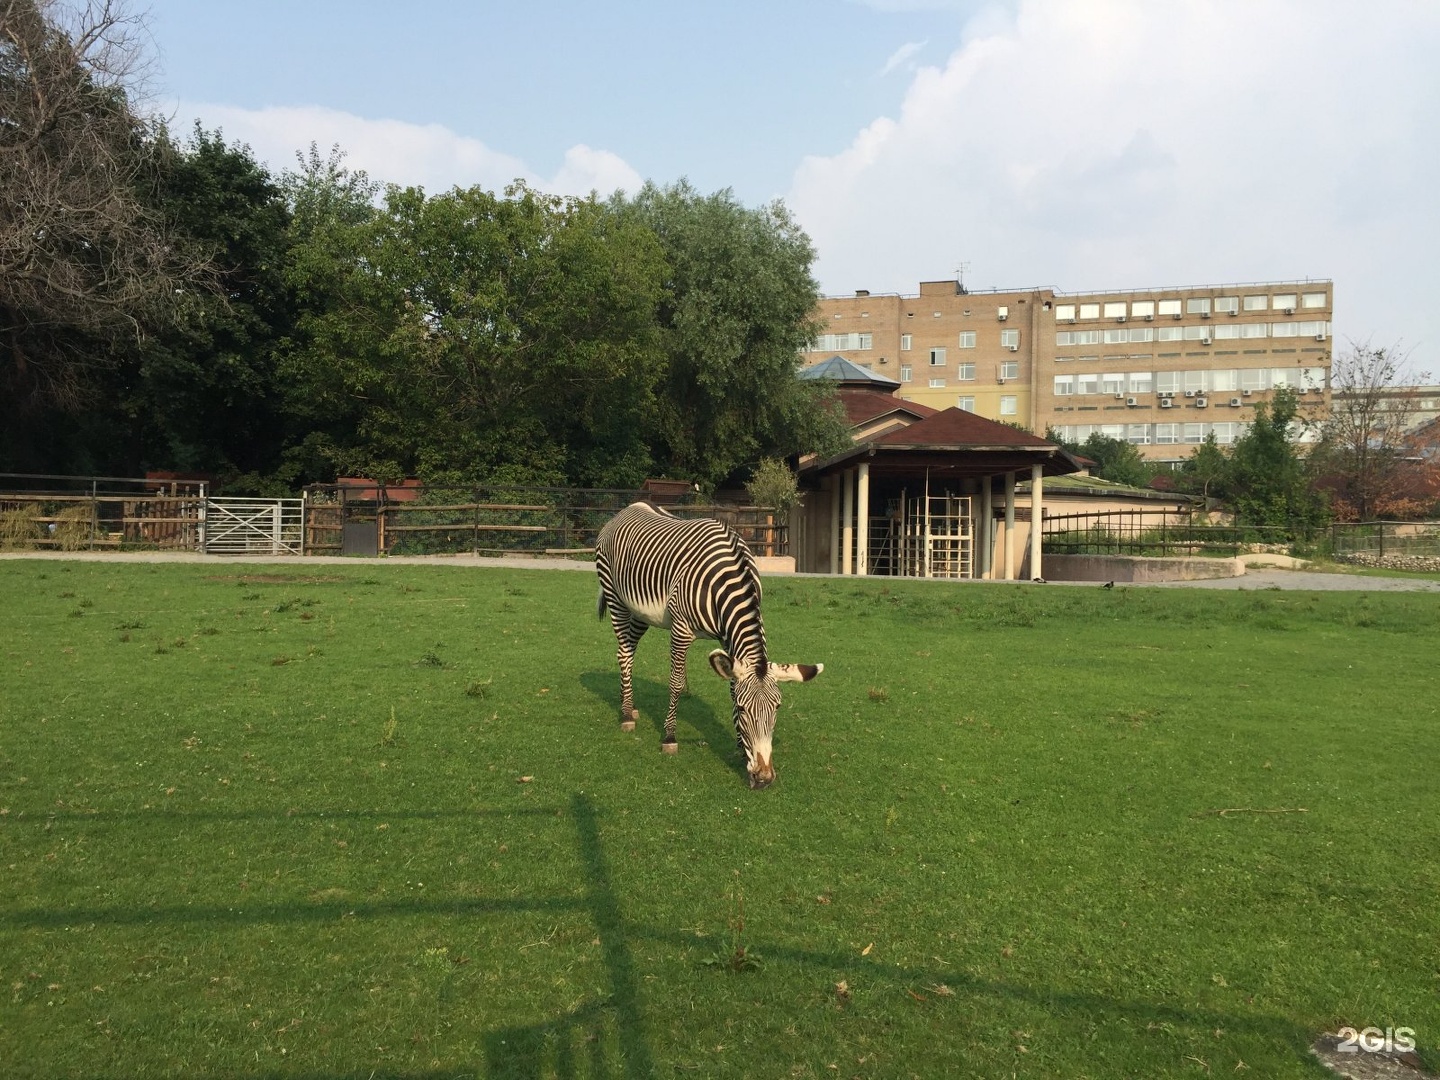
[
  {"x": 841, "y": 342},
  {"x": 1256, "y": 303},
  {"x": 1169, "y": 307},
  {"x": 1170, "y": 333},
  {"x": 1282, "y": 302},
  {"x": 1224, "y": 381},
  {"x": 1143, "y": 309},
  {"x": 1116, "y": 337},
  {"x": 1064, "y": 311},
  {"x": 1009, "y": 404},
  {"x": 1254, "y": 330},
  {"x": 1089, "y": 311},
  {"x": 965, "y": 404},
  {"x": 1194, "y": 433},
  {"x": 1087, "y": 382},
  {"x": 1254, "y": 378},
  {"x": 967, "y": 339},
  {"x": 1138, "y": 434},
  {"x": 1227, "y": 305},
  {"x": 1312, "y": 299},
  {"x": 1115, "y": 309},
  {"x": 905, "y": 342},
  {"x": 965, "y": 372},
  {"x": 1112, "y": 382},
  {"x": 1197, "y": 305},
  {"x": 1087, "y": 337},
  {"x": 1167, "y": 382},
  {"x": 1227, "y": 330},
  {"x": 1142, "y": 333},
  {"x": 1140, "y": 382},
  {"x": 1064, "y": 385},
  {"x": 906, "y": 373},
  {"x": 1197, "y": 333},
  {"x": 937, "y": 357},
  {"x": 1010, "y": 369},
  {"x": 1284, "y": 329},
  {"x": 1166, "y": 433},
  {"x": 1064, "y": 337},
  {"x": 1010, "y": 339},
  {"x": 936, "y": 384}
]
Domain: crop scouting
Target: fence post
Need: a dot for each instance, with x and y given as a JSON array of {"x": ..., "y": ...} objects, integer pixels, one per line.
[{"x": 1382, "y": 539}]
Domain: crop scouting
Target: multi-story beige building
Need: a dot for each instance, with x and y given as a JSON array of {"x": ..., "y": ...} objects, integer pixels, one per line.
[{"x": 1160, "y": 368}]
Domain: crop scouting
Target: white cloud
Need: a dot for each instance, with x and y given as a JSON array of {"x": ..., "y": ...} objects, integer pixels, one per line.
[
  {"x": 393, "y": 151},
  {"x": 1126, "y": 143}
]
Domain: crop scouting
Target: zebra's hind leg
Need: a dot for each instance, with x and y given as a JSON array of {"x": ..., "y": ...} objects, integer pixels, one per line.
[
  {"x": 680, "y": 640},
  {"x": 629, "y": 634}
]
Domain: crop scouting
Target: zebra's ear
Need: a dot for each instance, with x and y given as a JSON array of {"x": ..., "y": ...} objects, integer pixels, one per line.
[
  {"x": 723, "y": 665},
  {"x": 795, "y": 672}
]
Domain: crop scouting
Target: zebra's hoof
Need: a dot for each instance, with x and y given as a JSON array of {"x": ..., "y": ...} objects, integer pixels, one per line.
[
  {"x": 627, "y": 725},
  {"x": 670, "y": 747}
]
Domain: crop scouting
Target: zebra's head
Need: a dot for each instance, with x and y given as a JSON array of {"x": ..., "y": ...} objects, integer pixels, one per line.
[{"x": 755, "y": 690}]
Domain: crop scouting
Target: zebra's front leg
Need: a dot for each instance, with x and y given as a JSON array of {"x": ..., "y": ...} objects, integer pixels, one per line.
[
  {"x": 629, "y": 634},
  {"x": 680, "y": 639}
]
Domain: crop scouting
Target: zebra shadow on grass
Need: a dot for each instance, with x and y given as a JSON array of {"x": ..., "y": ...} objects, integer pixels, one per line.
[{"x": 699, "y": 727}]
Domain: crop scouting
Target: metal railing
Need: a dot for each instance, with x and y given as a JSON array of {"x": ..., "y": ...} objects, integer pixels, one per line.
[
  {"x": 1160, "y": 533},
  {"x": 1385, "y": 538}
]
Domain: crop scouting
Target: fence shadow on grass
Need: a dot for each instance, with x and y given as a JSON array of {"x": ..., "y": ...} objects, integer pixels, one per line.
[
  {"x": 611, "y": 1036},
  {"x": 652, "y": 699}
]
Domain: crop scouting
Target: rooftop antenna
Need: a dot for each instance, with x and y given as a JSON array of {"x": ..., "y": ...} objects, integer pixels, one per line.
[{"x": 960, "y": 289}]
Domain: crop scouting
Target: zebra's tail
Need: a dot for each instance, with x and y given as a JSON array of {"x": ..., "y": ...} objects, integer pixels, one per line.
[{"x": 600, "y": 607}]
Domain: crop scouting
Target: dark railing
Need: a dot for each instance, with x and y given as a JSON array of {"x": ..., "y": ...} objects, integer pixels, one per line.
[
  {"x": 1385, "y": 538},
  {"x": 1160, "y": 533},
  {"x": 496, "y": 520}
]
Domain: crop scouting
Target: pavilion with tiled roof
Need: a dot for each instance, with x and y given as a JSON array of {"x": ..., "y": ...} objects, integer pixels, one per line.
[{"x": 908, "y": 456}]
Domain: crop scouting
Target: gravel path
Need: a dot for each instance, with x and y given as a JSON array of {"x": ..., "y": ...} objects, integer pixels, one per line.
[{"x": 1266, "y": 578}]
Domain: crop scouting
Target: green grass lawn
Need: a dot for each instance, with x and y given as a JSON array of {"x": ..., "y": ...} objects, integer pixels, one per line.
[{"x": 380, "y": 821}]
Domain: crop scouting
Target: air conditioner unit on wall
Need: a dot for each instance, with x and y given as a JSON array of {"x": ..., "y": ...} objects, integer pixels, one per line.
[
  {"x": 1131, "y": 402},
  {"x": 1189, "y": 393},
  {"x": 1149, "y": 318},
  {"x": 1204, "y": 341},
  {"x": 1289, "y": 311},
  {"x": 1119, "y": 396},
  {"x": 1119, "y": 318},
  {"x": 1235, "y": 402},
  {"x": 1204, "y": 314},
  {"x": 1166, "y": 403},
  {"x": 1201, "y": 403},
  {"x": 1013, "y": 348}
]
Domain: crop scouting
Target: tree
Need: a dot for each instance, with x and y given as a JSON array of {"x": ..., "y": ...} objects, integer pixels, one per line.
[
  {"x": 1115, "y": 459},
  {"x": 736, "y": 312},
  {"x": 1363, "y": 448},
  {"x": 1206, "y": 471},
  {"x": 84, "y": 259},
  {"x": 1267, "y": 478},
  {"x": 477, "y": 338}
]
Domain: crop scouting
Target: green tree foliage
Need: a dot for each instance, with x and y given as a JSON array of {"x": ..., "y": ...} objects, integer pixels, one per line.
[
  {"x": 1267, "y": 481},
  {"x": 737, "y": 310},
  {"x": 472, "y": 337},
  {"x": 1115, "y": 459},
  {"x": 1206, "y": 471}
]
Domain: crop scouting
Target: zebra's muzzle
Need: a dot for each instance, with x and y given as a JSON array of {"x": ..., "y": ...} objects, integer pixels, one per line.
[{"x": 762, "y": 775}]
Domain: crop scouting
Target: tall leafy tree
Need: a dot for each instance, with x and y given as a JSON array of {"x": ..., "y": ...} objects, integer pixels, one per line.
[
  {"x": 737, "y": 310},
  {"x": 1268, "y": 480},
  {"x": 1365, "y": 439},
  {"x": 469, "y": 336}
]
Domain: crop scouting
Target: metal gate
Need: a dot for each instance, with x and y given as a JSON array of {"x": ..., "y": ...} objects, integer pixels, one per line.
[{"x": 252, "y": 527}]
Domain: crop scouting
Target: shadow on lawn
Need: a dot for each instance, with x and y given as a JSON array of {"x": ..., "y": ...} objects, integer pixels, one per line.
[
  {"x": 652, "y": 699},
  {"x": 584, "y": 1040}
]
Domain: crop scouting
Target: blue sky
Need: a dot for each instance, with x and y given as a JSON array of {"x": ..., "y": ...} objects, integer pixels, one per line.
[{"x": 1078, "y": 144}]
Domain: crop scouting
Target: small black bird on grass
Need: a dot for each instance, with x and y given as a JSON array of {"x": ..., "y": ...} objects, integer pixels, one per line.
[{"x": 1108, "y": 585}]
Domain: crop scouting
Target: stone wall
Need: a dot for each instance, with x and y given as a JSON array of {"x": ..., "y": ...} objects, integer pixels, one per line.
[{"x": 1422, "y": 563}]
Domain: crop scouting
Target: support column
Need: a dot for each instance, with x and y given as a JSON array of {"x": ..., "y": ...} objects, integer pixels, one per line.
[
  {"x": 1037, "y": 480},
  {"x": 862, "y": 514},
  {"x": 987, "y": 526},
  {"x": 847, "y": 522},
  {"x": 834, "y": 481},
  {"x": 1010, "y": 526}
]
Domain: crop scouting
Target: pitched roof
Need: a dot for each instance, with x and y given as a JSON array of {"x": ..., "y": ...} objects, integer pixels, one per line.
[
  {"x": 840, "y": 370},
  {"x": 863, "y": 405},
  {"x": 956, "y": 427}
]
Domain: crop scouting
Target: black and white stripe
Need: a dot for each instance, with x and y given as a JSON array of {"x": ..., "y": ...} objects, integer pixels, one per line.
[{"x": 698, "y": 579}]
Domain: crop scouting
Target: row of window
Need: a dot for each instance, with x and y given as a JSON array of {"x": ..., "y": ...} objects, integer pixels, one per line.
[
  {"x": 1169, "y": 434},
  {"x": 1195, "y": 305},
  {"x": 964, "y": 371},
  {"x": 1009, "y": 403},
  {"x": 1318, "y": 329},
  {"x": 1204, "y": 381}
]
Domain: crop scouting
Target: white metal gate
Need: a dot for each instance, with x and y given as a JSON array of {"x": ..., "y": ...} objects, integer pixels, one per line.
[{"x": 252, "y": 526}]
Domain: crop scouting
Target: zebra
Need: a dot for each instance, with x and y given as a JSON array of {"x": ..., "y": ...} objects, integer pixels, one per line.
[{"x": 698, "y": 579}]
